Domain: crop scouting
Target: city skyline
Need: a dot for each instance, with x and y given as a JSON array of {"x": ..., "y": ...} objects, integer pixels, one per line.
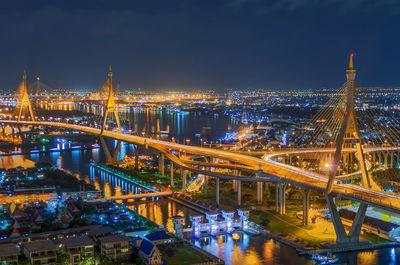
[
  {"x": 187, "y": 132},
  {"x": 192, "y": 44}
]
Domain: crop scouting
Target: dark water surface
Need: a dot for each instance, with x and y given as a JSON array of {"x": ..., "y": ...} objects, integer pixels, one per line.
[{"x": 246, "y": 250}]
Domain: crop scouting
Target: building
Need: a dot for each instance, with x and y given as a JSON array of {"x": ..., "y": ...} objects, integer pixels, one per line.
[
  {"x": 149, "y": 253},
  {"x": 9, "y": 254},
  {"x": 159, "y": 237},
  {"x": 100, "y": 232},
  {"x": 77, "y": 248},
  {"x": 40, "y": 252},
  {"x": 116, "y": 247}
]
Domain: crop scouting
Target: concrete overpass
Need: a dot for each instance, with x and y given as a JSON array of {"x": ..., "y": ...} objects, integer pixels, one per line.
[{"x": 266, "y": 170}]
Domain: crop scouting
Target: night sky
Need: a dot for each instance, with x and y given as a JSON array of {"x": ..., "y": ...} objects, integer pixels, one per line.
[{"x": 217, "y": 44}]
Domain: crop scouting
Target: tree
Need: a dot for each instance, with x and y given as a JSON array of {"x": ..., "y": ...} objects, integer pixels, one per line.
[
  {"x": 22, "y": 260},
  {"x": 62, "y": 258},
  {"x": 88, "y": 261}
]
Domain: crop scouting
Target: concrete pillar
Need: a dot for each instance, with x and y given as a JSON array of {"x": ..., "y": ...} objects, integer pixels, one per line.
[
  {"x": 380, "y": 159},
  {"x": 337, "y": 222},
  {"x": 373, "y": 159},
  {"x": 306, "y": 205},
  {"x": 266, "y": 188},
  {"x": 391, "y": 159},
  {"x": 234, "y": 185},
  {"x": 354, "y": 233},
  {"x": 385, "y": 165},
  {"x": 282, "y": 201},
  {"x": 183, "y": 173},
  {"x": 217, "y": 191},
  {"x": 205, "y": 186},
  {"x": 277, "y": 196},
  {"x": 355, "y": 229},
  {"x": 259, "y": 191},
  {"x": 161, "y": 165},
  {"x": 239, "y": 192},
  {"x": 171, "y": 173}
]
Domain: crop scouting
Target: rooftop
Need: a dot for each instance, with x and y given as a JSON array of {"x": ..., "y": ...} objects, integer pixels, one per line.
[
  {"x": 8, "y": 250},
  {"x": 40, "y": 245},
  {"x": 101, "y": 231},
  {"x": 114, "y": 239},
  {"x": 146, "y": 247},
  {"x": 158, "y": 235},
  {"x": 76, "y": 241}
]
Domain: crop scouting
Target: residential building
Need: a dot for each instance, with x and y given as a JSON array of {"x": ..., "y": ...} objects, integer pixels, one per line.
[
  {"x": 9, "y": 254},
  {"x": 77, "y": 248},
  {"x": 149, "y": 253},
  {"x": 116, "y": 247},
  {"x": 40, "y": 252}
]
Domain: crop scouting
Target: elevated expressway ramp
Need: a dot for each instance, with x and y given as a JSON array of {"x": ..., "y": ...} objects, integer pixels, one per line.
[{"x": 266, "y": 170}]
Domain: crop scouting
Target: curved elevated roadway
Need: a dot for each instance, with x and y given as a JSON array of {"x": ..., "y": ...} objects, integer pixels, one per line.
[{"x": 266, "y": 169}]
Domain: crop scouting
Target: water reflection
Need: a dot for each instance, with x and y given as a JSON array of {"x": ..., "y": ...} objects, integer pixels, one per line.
[
  {"x": 162, "y": 211},
  {"x": 15, "y": 161},
  {"x": 248, "y": 250},
  {"x": 179, "y": 124}
]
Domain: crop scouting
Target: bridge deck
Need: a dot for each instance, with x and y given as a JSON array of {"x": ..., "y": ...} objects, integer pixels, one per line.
[{"x": 265, "y": 169}]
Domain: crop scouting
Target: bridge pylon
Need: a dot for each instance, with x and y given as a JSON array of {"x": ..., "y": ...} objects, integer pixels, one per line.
[
  {"x": 110, "y": 106},
  {"x": 353, "y": 235},
  {"x": 23, "y": 100},
  {"x": 349, "y": 133}
]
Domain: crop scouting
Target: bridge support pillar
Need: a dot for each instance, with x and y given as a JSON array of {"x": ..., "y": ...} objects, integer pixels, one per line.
[
  {"x": 171, "y": 173},
  {"x": 217, "y": 191},
  {"x": 137, "y": 157},
  {"x": 354, "y": 233},
  {"x": 380, "y": 159},
  {"x": 183, "y": 173},
  {"x": 161, "y": 164},
  {"x": 282, "y": 198},
  {"x": 385, "y": 165},
  {"x": 266, "y": 188},
  {"x": 391, "y": 159},
  {"x": 205, "y": 186},
  {"x": 110, "y": 158},
  {"x": 234, "y": 185},
  {"x": 239, "y": 192},
  {"x": 373, "y": 159},
  {"x": 277, "y": 196},
  {"x": 306, "y": 205},
  {"x": 259, "y": 191}
]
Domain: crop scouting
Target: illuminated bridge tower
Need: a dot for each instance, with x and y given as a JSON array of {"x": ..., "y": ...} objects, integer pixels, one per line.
[
  {"x": 110, "y": 107},
  {"x": 23, "y": 100},
  {"x": 349, "y": 136}
]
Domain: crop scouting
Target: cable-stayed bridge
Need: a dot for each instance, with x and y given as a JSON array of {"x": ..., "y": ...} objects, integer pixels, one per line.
[{"x": 333, "y": 148}]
